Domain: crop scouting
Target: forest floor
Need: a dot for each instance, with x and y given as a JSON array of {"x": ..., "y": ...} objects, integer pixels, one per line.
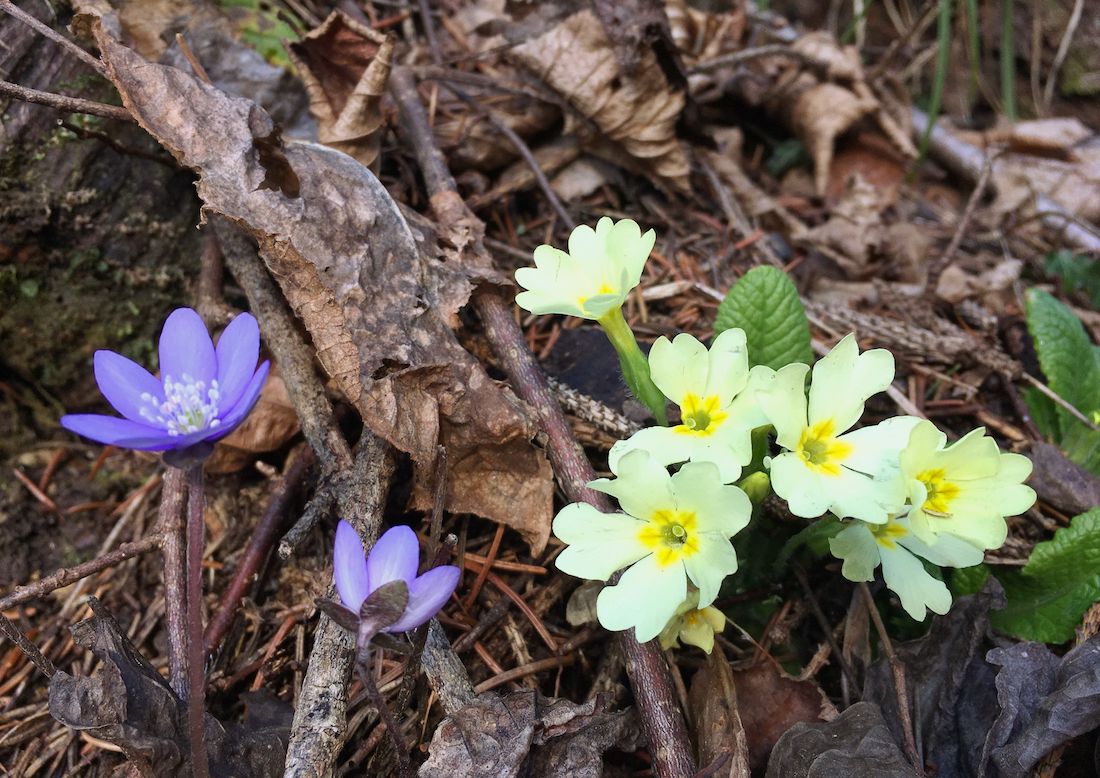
[{"x": 791, "y": 137}]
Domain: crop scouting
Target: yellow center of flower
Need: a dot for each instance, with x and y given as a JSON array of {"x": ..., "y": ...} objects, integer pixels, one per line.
[
  {"x": 820, "y": 449},
  {"x": 700, "y": 416},
  {"x": 605, "y": 288},
  {"x": 887, "y": 535},
  {"x": 941, "y": 492},
  {"x": 670, "y": 534}
]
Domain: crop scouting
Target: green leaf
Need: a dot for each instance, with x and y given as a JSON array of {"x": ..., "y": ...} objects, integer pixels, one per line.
[
  {"x": 1066, "y": 355},
  {"x": 1077, "y": 274},
  {"x": 765, "y": 304},
  {"x": 261, "y": 25},
  {"x": 1048, "y": 597},
  {"x": 1043, "y": 413},
  {"x": 815, "y": 537}
]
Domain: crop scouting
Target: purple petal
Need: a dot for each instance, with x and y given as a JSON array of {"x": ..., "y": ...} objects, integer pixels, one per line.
[
  {"x": 427, "y": 594},
  {"x": 349, "y": 567},
  {"x": 123, "y": 382},
  {"x": 186, "y": 348},
  {"x": 118, "y": 432},
  {"x": 237, "y": 351},
  {"x": 395, "y": 555},
  {"x": 229, "y": 420}
]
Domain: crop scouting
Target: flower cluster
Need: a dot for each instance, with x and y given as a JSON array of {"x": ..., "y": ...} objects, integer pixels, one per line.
[{"x": 902, "y": 494}]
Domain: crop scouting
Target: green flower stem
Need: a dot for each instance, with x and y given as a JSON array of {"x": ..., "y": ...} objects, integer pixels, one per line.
[{"x": 634, "y": 364}]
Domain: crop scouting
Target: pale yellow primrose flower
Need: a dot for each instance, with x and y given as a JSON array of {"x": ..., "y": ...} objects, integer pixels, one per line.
[
  {"x": 896, "y": 547},
  {"x": 693, "y": 625},
  {"x": 823, "y": 469},
  {"x": 674, "y": 528},
  {"x": 716, "y": 393},
  {"x": 965, "y": 489},
  {"x": 595, "y": 277}
]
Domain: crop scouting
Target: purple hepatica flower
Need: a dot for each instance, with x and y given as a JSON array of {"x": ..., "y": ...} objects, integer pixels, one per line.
[
  {"x": 394, "y": 557},
  {"x": 202, "y": 395}
]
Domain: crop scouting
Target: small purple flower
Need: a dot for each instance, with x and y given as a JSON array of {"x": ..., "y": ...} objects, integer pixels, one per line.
[
  {"x": 202, "y": 394},
  {"x": 394, "y": 557}
]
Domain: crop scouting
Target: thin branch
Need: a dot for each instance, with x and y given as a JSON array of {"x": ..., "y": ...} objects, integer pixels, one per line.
[
  {"x": 1063, "y": 52},
  {"x": 68, "y": 575},
  {"x": 173, "y": 496},
  {"x": 263, "y": 537},
  {"x": 48, "y": 32},
  {"x": 939, "y": 265},
  {"x": 897, "y": 668},
  {"x": 64, "y": 103},
  {"x": 662, "y": 719},
  {"x": 196, "y": 657},
  {"x": 524, "y": 151},
  {"x": 1060, "y": 401},
  {"x": 27, "y": 647},
  {"x": 747, "y": 55}
]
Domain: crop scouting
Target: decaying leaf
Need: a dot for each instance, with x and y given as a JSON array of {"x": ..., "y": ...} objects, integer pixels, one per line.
[
  {"x": 377, "y": 307},
  {"x": 637, "y": 112},
  {"x": 344, "y": 66},
  {"x": 1062, "y": 483},
  {"x": 856, "y": 744},
  {"x": 715, "y": 709},
  {"x": 271, "y": 424},
  {"x": 128, "y": 703},
  {"x": 1071, "y": 706},
  {"x": 525, "y": 733}
]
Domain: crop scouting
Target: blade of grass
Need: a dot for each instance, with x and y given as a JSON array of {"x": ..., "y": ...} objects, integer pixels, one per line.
[
  {"x": 943, "y": 54},
  {"x": 1008, "y": 61},
  {"x": 973, "y": 51}
]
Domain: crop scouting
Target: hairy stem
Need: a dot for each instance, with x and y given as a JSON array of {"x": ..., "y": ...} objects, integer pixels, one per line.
[
  {"x": 173, "y": 499},
  {"x": 362, "y": 662},
  {"x": 196, "y": 664},
  {"x": 634, "y": 364}
]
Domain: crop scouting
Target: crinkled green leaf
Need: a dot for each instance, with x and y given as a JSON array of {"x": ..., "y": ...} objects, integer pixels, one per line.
[
  {"x": 1048, "y": 597},
  {"x": 765, "y": 304},
  {"x": 1066, "y": 355}
]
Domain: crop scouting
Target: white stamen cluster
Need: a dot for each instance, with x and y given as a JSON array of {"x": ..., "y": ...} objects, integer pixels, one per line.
[{"x": 188, "y": 406}]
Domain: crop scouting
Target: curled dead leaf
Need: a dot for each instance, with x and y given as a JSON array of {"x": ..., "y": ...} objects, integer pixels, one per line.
[
  {"x": 376, "y": 306},
  {"x": 637, "y": 112},
  {"x": 344, "y": 66}
]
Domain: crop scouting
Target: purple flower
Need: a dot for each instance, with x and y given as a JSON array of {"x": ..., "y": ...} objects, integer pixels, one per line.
[
  {"x": 395, "y": 556},
  {"x": 202, "y": 394}
]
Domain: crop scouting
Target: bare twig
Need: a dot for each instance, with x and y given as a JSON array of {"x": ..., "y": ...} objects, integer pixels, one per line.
[
  {"x": 1063, "y": 52},
  {"x": 939, "y": 265},
  {"x": 173, "y": 496},
  {"x": 68, "y": 575},
  {"x": 524, "y": 151},
  {"x": 658, "y": 707},
  {"x": 747, "y": 55},
  {"x": 1060, "y": 401},
  {"x": 898, "y": 671},
  {"x": 13, "y": 634},
  {"x": 64, "y": 102},
  {"x": 48, "y": 32},
  {"x": 258, "y": 546},
  {"x": 196, "y": 657},
  {"x": 815, "y": 607}
]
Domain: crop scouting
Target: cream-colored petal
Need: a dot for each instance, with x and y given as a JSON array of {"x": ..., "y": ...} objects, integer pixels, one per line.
[
  {"x": 843, "y": 380},
  {"x": 645, "y": 598},
  {"x": 710, "y": 565},
  {"x": 972, "y": 456},
  {"x": 642, "y": 486},
  {"x": 696, "y": 488},
  {"x": 919, "y": 454},
  {"x": 783, "y": 401},
  {"x": 586, "y": 247},
  {"x": 629, "y": 249},
  {"x": 799, "y": 485},
  {"x": 918, "y": 591},
  {"x": 663, "y": 444},
  {"x": 745, "y": 411},
  {"x": 859, "y": 496},
  {"x": 1014, "y": 468},
  {"x": 728, "y": 368},
  {"x": 947, "y": 551},
  {"x": 859, "y": 551},
  {"x": 598, "y": 543},
  {"x": 679, "y": 367},
  {"x": 875, "y": 449}
]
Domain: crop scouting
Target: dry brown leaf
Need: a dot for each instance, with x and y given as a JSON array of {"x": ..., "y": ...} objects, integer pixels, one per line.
[
  {"x": 344, "y": 66},
  {"x": 472, "y": 143},
  {"x": 1050, "y": 136},
  {"x": 956, "y": 284},
  {"x": 376, "y": 306},
  {"x": 637, "y": 112},
  {"x": 268, "y": 427},
  {"x": 775, "y": 702},
  {"x": 716, "y": 711}
]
